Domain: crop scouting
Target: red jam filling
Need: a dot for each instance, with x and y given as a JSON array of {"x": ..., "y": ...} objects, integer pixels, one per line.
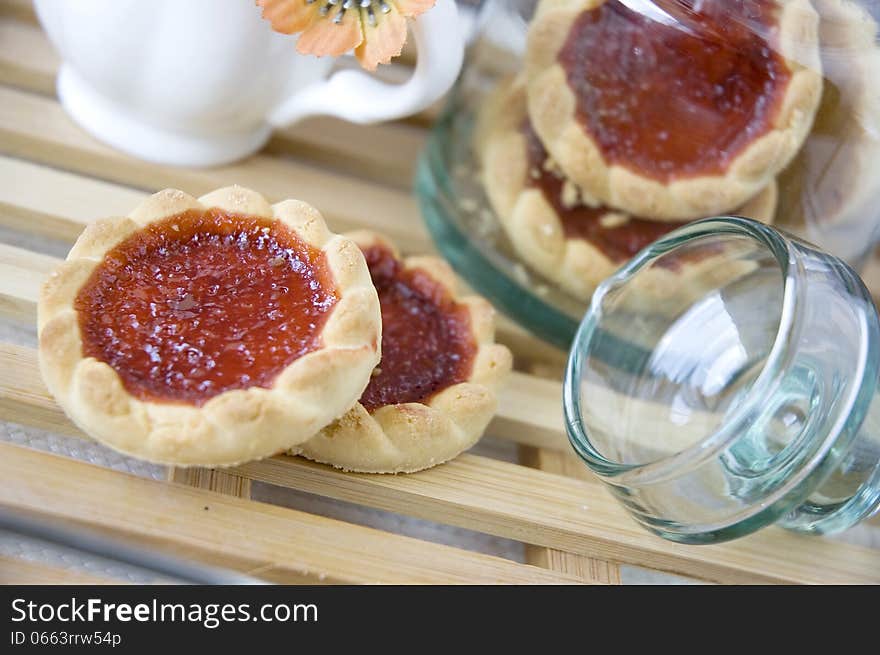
[
  {"x": 205, "y": 302},
  {"x": 676, "y": 101},
  {"x": 427, "y": 342},
  {"x": 580, "y": 221}
]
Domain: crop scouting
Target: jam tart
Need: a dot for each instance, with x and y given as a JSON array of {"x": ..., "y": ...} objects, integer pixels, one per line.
[
  {"x": 686, "y": 111},
  {"x": 434, "y": 392},
  {"x": 209, "y": 332},
  {"x": 550, "y": 225}
]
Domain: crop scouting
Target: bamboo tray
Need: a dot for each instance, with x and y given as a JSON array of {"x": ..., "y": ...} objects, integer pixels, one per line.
[{"x": 54, "y": 178}]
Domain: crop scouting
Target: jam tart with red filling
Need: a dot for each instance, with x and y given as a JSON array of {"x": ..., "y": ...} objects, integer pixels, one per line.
[
  {"x": 548, "y": 220},
  {"x": 209, "y": 332},
  {"x": 434, "y": 392},
  {"x": 687, "y": 110}
]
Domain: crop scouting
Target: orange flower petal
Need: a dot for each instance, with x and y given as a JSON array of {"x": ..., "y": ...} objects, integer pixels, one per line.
[
  {"x": 326, "y": 36},
  {"x": 382, "y": 41},
  {"x": 411, "y": 8},
  {"x": 289, "y": 16},
  {"x": 377, "y": 37}
]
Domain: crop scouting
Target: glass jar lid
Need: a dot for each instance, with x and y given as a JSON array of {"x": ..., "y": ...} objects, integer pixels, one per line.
[{"x": 726, "y": 378}]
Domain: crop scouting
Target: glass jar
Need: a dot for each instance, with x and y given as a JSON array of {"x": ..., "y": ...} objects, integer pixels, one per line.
[
  {"x": 590, "y": 85},
  {"x": 746, "y": 393}
]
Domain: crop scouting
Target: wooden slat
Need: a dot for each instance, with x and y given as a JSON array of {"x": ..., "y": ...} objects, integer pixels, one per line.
[
  {"x": 40, "y": 200},
  {"x": 530, "y": 413},
  {"x": 26, "y": 58},
  {"x": 574, "y": 516},
  {"x": 384, "y": 153},
  {"x": 27, "y": 399},
  {"x": 273, "y": 542},
  {"x": 223, "y": 482},
  {"x": 218, "y": 480},
  {"x": 530, "y": 409},
  {"x": 22, "y": 10},
  {"x": 510, "y": 501},
  {"x": 21, "y": 274},
  {"x": 580, "y": 566},
  {"x": 14, "y": 571},
  {"x": 36, "y": 128}
]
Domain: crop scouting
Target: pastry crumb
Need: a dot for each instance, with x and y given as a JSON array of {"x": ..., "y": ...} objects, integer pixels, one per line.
[
  {"x": 571, "y": 195},
  {"x": 611, "y": 220},
  {"x": 552, "y": 167}
]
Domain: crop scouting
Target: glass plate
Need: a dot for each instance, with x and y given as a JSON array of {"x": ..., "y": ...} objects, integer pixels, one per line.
[{"x": 469, "y": 235}]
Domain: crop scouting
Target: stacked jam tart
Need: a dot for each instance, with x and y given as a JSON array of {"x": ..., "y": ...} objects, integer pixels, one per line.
[
  {"x": 626, "y": 124},
  {"x": 223, "y": 329}
]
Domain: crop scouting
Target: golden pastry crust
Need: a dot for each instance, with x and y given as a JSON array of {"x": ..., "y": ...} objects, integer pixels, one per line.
[
  {"x": 409, "y": 437},
  {"x": 237, "y": 425},
  {"x": 552, "y": 107},
  {"x": 530, "y": 221},
  {"x": 833, "y": 181}
]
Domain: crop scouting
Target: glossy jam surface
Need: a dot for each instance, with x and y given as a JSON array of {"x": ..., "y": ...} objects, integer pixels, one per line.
[
  {"x": 427, "y": 342},
  {"x": 580, "y": 221},
  {"x": 676, "y": 101},
  {"x": 205, "y": 302}
]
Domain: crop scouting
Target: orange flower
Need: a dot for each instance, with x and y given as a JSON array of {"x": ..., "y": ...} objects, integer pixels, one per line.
[{"x": 375, "y": 29}]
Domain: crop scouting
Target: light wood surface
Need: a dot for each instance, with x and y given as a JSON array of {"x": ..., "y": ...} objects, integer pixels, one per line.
[
  {"x": 580, "y": 566},
  {"x": 222, "y": 482},
  {"x": 21, "y": 275},
  {"x": 36, "y": 128},
  {"x": 270, "y": 542},
  {"x": 26, "y": 58},
  {"x": 22, "y": 10},
  {"x": 507, "y": 500},
  {"x": 14, "y": 571}
]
